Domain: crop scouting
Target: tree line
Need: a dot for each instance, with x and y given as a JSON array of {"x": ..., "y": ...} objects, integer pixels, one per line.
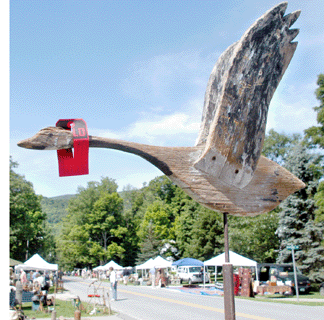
[{"x": 160, "y": 219}]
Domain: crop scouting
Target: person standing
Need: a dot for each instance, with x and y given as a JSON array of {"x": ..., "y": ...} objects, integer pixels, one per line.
[
  {"x": 152, "y": 272},
  {"x": 126, "y": 274},
  {"x": 23, "y": 277},
  {"x": 41, "y": 280},
  {"x": 60, "y": 275},
  {"x": 113, "y": 283},
  {"x": 31, "y": 274},
  {"x": 35, "y": 275}
]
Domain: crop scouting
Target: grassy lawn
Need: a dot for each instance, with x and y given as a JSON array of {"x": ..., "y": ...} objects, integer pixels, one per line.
[
  {"x": 287, "y": 299},
  {"x": 63, "y": 308}
]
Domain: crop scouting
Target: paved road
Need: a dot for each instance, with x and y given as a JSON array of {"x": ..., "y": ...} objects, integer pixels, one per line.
[{"x": 146, "y": 303}]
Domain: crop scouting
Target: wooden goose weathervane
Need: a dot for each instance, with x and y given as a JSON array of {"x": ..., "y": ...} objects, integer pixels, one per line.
[{"x": 225, "y": 170}]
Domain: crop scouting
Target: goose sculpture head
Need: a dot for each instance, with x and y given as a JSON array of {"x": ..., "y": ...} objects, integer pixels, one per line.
[{"x": 225, "y": 170}]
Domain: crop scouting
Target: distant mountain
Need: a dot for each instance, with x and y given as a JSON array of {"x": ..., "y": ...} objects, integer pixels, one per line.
[{"x": 55, "y": 207}]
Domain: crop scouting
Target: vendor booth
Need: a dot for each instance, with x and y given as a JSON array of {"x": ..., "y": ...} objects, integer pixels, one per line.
[
  {"x": 111, "y": 263},
  {"x": 144, "y": 267},
  {"x": 234, "y": 258},
  {"x": 159, "y": 264},
  {"x": 36, "y": 262},
  {"x": 101, "y": 270},
  {"x": 30, "y": 289},
  {"x": 245, "y": 278},
  {"x": 161, "y": 276}
]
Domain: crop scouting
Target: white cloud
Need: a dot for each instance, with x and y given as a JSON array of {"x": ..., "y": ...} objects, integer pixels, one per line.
[
  {"x": 291, "y": 109},
  {"x": 157, "y": 127},
  {"x": 171, "y": 125},
  {"x": 177, "y": 72},
  {"x": 293, "y": 118},
  {"x": 158, "y": 130},
  {"x": 105, "y": 133}
]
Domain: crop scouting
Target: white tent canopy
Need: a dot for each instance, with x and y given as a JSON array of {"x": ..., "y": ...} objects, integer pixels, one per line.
[
  {"x": 146, "y": 265},
  {"x": 36, "y": 262},
  {"x": 159, "y": 262},
  {"x": 234, "y": 258},
  {"x": 99, "y": 268},
  {"x": 111, "y": 263}
]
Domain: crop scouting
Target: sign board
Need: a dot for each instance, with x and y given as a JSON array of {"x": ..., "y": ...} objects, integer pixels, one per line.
[
  {"x": 292, "y": 247},
  {"x": 74, "y": 164}
]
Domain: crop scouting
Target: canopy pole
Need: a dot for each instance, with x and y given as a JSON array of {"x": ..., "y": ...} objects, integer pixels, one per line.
[
  {"x": 216, "y": 269},
  {"x": 204, "y": 276},
  {"x": 229, "y": 305}
]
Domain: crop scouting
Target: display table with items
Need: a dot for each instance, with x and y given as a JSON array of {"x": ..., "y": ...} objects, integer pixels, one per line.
[
  {"x": 26, "y": 297},
  {"x": 273, "y": 289},
  {"x": 33, "y": 293}
]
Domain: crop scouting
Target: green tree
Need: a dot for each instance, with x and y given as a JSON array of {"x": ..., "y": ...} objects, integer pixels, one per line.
[
  {"x": 150, "y": 246},
  {"x": 94, "y": 227},
  {"x": 132, "y": 221},
  {"x": 28, "y": 233},
  {"x": 187, "y": 215},
  {"x": 255, "y": 237},
  {"x": 319, "y": 201},
  {"x": 315, "y": 137},
  {"x": 297, "y": 224},
  {"x": 162, "y": 188},
  {"x": 277, "y": 146},
  {"x": 315, "y": 134},
  {"x": 105, "y": 225},
  {"x": 105, "y": 218},
  {"x": 156, "y": 217},
  {"x": 81, "y": 206},
  {"x": 208, "y": 235},
  {"x": 198, "y": 231},
  {"x": 154, "y": 210},
  {"x": 73, "y": 247}
]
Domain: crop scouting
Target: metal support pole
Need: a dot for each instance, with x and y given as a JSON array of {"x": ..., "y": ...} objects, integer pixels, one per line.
[
  {"x": 295, "y": 274},
  {"x": 229, "y": 305},
  {"x": 226, "y": 246}
]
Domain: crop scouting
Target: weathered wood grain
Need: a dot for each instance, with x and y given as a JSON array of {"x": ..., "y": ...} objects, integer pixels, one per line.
[
  {"x": 270, "y": 184},
  {"x": 238, "y": 95}
]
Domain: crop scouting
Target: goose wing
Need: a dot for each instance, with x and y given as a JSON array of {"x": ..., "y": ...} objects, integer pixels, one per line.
[{"x": 238, "y": 95}]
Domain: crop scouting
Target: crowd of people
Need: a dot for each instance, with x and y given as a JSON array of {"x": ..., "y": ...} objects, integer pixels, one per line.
[
  {"x": 43, "y": 280},
  {"x": 31, "y": 285},
  {"x": 33, "y": 280}
]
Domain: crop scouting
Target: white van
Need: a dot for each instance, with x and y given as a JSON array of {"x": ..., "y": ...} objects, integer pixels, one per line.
[{"x": 192, "y": 274}]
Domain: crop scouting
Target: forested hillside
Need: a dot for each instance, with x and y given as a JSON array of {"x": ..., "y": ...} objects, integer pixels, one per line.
[{"x": 55, "y": 208}]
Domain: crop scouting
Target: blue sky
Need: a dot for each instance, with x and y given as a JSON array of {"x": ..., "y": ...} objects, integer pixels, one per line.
[{"x": 137, "y": 71}]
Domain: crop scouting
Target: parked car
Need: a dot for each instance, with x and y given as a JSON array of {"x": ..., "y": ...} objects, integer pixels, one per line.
[
  {"x": 192, "y": 274},
  {"x": 284, "y": 273}
]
